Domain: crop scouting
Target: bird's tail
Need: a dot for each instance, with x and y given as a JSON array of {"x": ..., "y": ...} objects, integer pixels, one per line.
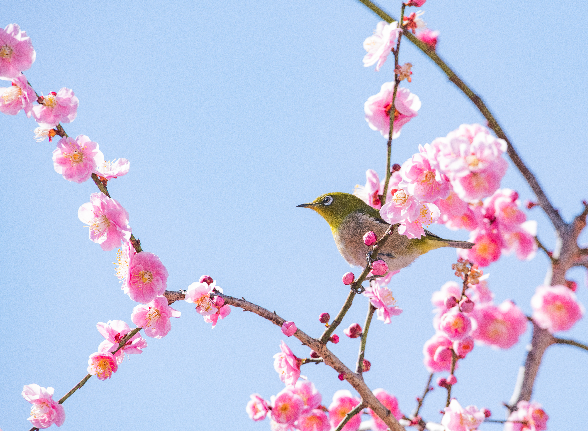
[{"x": 458, "y": 244}]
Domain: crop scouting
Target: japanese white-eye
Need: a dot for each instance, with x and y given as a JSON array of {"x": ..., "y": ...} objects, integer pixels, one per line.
[{"x": 350, "y": 219}]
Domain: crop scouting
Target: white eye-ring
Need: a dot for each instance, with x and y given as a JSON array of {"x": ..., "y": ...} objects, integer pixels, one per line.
[{"x": 328, "y": 200}]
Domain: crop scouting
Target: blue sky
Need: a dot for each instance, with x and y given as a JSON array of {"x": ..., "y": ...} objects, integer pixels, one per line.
[{"x": 232, "y": 113}]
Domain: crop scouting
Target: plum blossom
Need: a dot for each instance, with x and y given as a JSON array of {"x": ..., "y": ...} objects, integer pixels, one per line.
[
  {"x": 343, "y": 403},
  {"x": 383, "y": 299},
  {"x": 102, "y": 365},
  {"x": 437, "y": 353},
  {"x": 455, "y": 324},
  {"x": 114, "y": 331},
  {"x": 457, "y": 214},
  {"x": 488, "y": 245},
  {"x": 60, "y": 107},
  {"x": 370, "y": 193},
  {"x": 107, "y": 219},
  {"x": 456, "y": 418},
  {"x": 531, "y": 413},
  {"x": 410, "y": 213},
  {"x": 499, "y": 326},
  {"x": 289, "y": 328},
  {"x": 315, "y": 420},
  {"x": 378, "y": 109},
  {"x": 380, "y": 45},
  {"x": 286, "y": 407},
  {"x": 147, "y": 278},
  {"x": 417, "y": 3},
  {"x": 287, "y": 365},
  {"x": 18, "y": 96},
  {"x": 309, "y": 395},
  {"x": 257, "y": 408},
  {"x": 75, "y": 159},
  {"x": 44, "y": 411},
  {"x": 16, "y": 52},
  {"x": 463, "y": 347},
  {"x": 379, "y": 267},
  {"x": 422, "y": 180},
  {"x": 391, "y": 403},
  {"x": 210, "y": 308},
  {"x": 430, "y": 37},
  {"x": 116, "y": 168},
  {"x": 154, "y": 317},
  {"x": 556, "y": 308}
]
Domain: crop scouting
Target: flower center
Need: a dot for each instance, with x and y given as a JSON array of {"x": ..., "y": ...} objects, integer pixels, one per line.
[
  {"x": 204, "y": 303},
  {"x": 472, "y": 161},
  {"x": 387, "y": 297},
  {"x": 100, "y": 225},
  {"x": 6, "y": 52},
  {"x": 146, "y": 276},
  {"x": 400, "y": 197},
  {"x": 153, "y": 316},
  {"x": 40, "y": 410},
  {"x": 50, "y": 101},
  {"x": 11, "y": 94},
  {"x": 103, "y": 367},
  {"x": 425, "y": 216}
]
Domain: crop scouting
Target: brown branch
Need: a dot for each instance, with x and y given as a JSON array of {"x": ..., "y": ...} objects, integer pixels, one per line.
[
  {"x": 571, "y": 343},
  {"x": 350, "y": 415},
  {"x": 364, "y": 334}
]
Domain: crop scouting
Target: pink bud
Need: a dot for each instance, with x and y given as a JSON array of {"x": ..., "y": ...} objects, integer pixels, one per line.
[
  {"x": 370, "y": 238},
  {"x": 218, "y": 301},
  {"x": 314, "y": 354},
  {"x": 379, "y": 267},
  {"x": 324, "y": 318},
  {"x": 289, "y": 328},
  {"x": 530, "y": 204},
  {"x": 466, "y": 305},
  {"x": 341, "y": 376},
  {"x": 450, "y": 302},
  {"x": 572, "y": 285},
  {"x": 354, "y": 331},
  {"x": 442, "y": 382},
  {"x": 486, "y": 412},
  {"x": 451, "y": 380},
  {"x": 442, "y": 354},
  {"x": 348, "y": 278},
  {"x": 396, "y": 167},
  {"x": 334, "y": 338},
  {"x": 206, "y": 279},
  {"x": 366, "y": 365}
]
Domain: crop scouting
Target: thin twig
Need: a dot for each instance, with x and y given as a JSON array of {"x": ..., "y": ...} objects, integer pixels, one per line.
[
  {"x": 571, "y": 343},
  {"x": 453, "y": 362},
  {"x": 366, "y": 327},
  {"x": 422, "y": 399},
  {"x": 350, "y": 415}
]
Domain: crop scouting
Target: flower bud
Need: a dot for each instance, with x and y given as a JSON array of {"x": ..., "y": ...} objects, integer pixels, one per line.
[
  {"x": 334, "y": 339},
  {"x": 354, "y": 331},
  {"x": 206, "y": 279},
  {"x": 450, "y": 302},
  {"x": 572, "y": 285},
  {"x": 396, "y": 167},
  {"x": 370, "y": 238},
  {"x": 314, "y": 354},
  {"x": 442, "y": 382},
  {"x": 348, "y": 278},
  {"x": 366, "y": 365},
  {"x": 451, "y": 380},
  {"x": 341, "y": 376},
  {"x": 486, "y": 412},
  {"x": 324, "y": 318},
  {"x": 466, "y": 305},
  {"x": 379, "y": 267},
  {"x": 289, "y": 328}
]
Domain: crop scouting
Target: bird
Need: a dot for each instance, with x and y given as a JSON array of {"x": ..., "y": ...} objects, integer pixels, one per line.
[{"x": 350, "y": 219}]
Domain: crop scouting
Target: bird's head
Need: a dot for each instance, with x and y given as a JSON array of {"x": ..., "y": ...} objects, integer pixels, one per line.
[{"x": 335, "y": 207}]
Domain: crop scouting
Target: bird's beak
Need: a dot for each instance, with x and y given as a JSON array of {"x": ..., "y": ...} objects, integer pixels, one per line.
[{"x": 305, "y": 206}]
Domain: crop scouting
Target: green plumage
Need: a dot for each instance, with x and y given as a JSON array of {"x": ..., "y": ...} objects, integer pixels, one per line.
[{"x": 350, "y": 218}]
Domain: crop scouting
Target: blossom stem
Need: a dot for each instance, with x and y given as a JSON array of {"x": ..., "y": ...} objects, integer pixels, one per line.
[
  {"x": 453, "y": 362},
  {"x": 542, "y": 199},
  {"x": 366, "y": 327},
  {"x": 75, "y": 388},
  {"x": 349, "y": 416},
  {"x": 542, "y": 247},
  {"x": 422, "y": 399},
  {"x": 571, "y": 343},
  {"x": 335, "y": 323},
  {"x": 393, "y": 110}
]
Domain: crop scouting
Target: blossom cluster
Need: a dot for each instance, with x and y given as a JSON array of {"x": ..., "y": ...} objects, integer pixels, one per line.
[{"x": 298, "y": 408}]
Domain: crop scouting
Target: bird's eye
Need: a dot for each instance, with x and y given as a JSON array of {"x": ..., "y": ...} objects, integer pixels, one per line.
[{"x": 328, "y": 200}]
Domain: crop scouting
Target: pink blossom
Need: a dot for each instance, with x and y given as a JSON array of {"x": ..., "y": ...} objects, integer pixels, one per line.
[
  {"x": 18, "y": 96},
  {"x": 522, "y": 241},
  {"x": 102, "y": 365},
  {"x": 315, "y": 420},
  {"x": 124, "y": 255},
  {"x": 449, "y": 290},
  {"x": 257, "y": 408},
  {"x": 410, "y": 213},
  {"x": 370, "y": 193},
  {"x": 503, "y": 206},
  {"x": 458, "y": 214},
  {"x": 60, "y": 107},
  {"x": 222, "y": 311},
  {"x": 417, "y": 3},
  {"x": 348, "y": 278},
  {"x": 343, "y": 403},
  {"x": 429, "y": 37},
  {"x": 437, "y": 353},
  {"x": 76, "y": 159},
  {"x": 16, "y": 52},
  {"x": 354, "y": 331},
  {"x": 391, "y": 403},
  {"x": 289, "y": 328},
  {"x": 154, "y": 317},
  {"x": 147, "y": 278},
  {"x": 309, "y": 395},
  {"x": 287, "y": 407},
  {"x": 556, "y": 308},
  {"x": 499, "y": 326},
  {"x": 463, "y": 347},
  {"x": 380, "y": 45},
  {"x": 287, "y": 365},
  {"x": 480, "y": 293},
  {"x": 107, "y": 219},
  {"x": 455, "y": 324},
  {"x": 116, "y": 168},
  {"x": 199, "y": 294},
  {"x": 423, "y": 181},
  {"x": 487, "y": 247},
  {"x": 379, "y": 267},
  {"x": 456, "y": 418},
  {"x": 531, "y": 413},
  {"x": 45, "y": 411},
  {"x": 114, "y": 331},
  {"x": 383, "y": 299},
  {"x": 414, "y": 21},
  {"x": 378, "y": 108}
]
